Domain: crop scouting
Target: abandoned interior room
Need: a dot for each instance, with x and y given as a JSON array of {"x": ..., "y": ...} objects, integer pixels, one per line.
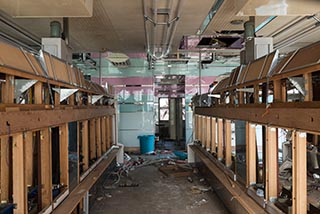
[{"x": 160, "y": 106}]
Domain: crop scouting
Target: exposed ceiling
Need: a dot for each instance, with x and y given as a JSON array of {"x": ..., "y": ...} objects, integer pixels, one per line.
[{"x": 118, "y": 25}]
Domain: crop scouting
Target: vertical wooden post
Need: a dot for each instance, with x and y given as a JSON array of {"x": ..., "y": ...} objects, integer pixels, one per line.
[
  {"x": 251, "y": 156},
  {"x": 220, "y": 139},
  {"x": 64, "y": 156},
  {"x": 299, "y": 175},
  {"x": 71, "y": 100},
  {"x": 28, "y": 143},
  {"x": 108, "y": 132},
  {"x": 4, "y": 143},
  {"x": 85, "y": 145},
  {"x": 228, "y": 150},
  {"x": 46, "y": 166},
  {"x": 213, "y": 135},
  {"x": 277, "y": 97},
  {"x": 208, "y": 133},
  {"x": 56, "y": 98},
  {"x": 271, "y": 164},
  {"x": 203, "y": 131},
  {"x": 19, "y": 186},
  {"x": 92, "y": 142},
  {"x": 308, "y": 87},
  {"x": 195, "y": 127},
  {"x": 98, "y": 136},
  {"x": 8, "y": 90},
  {"x": 256, "y": 93},
  {"x": 111, "y": 130},
  {"x": 283, "y": 92},
  {"x": 38, "y": 93},
  {"x": 241, "y": 97},
  {"x": 198, "y": 127},
  {"x": 103, "y": 135}
]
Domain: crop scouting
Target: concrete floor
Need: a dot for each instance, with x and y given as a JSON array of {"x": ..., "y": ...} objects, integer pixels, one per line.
[{"x": 156, "y": 194}]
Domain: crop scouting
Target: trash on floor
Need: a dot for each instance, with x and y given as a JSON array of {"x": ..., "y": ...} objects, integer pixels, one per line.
[
  {"x": 200, "y": 189},
  {"x": 175, "y": 171},
  {"x": 199, "y": 203}
]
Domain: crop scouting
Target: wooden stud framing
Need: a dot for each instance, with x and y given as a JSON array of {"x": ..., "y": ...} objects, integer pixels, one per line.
[
  {"x": 98, "y": 137},
  {"x": 28, "y": 144},
  {"x": 46, "y": 172},
  {"x": 271, "y": 164},
  {"x": 8, "y": 90},
  {"x": 92, "y": 140},
  {"x": 208, "y": 133},
  {"x": 103, "y": 135},
  {"x": 4, "y": 168},
  {"x": 38, "y": 93},
  {"x": 85, "y": 145},
  {"x": 308, "y": 87},
  {"x": 299, "y": 175},
  {"x": 108, "y": 132},
  {"x": 277, "y": 91},
  {"x": 251, "y": 153},
  {"x": 228, "y": 149},
  {"x": 111, "y": 129},
  {"x": 203, "y": 131},
  {"x": 19, "y": 185},
  {"x": 213, "y": 135},
  {"x": 64, "y": 162},
  {"x": 256, "y": 93},
  {"x": 241, "y": 97},
  {"x": 56, "y": 98},
  {"x": 196, "y": 126},
  {"x": 220, "y": 139},
  {"x": 71, "y": 100}
]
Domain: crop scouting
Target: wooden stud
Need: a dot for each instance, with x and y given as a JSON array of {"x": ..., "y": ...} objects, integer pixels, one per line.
[
  {"x": 256, "y": 93},
  {"x": 46, "y": 166},
  {"x": 195, "y": 127},
  {"x": 19, "y": 185},
  {"x": 92, "y": 140},
  {"x": 56, "y": 98},
  {"x": 251, "y": 153},
  {"x": 111, "y": 118},
  {"x": 241, "y": 97},
  {"x": 308, "y": 87},
  {"x": 64, "y": 162},
  {"x": 213, "y": 135},
  {"x": 283, "y": 92},
  {"x": 299, "y": 175},
  {"x": 98, "y": 137},
  {"x": 103, "y": 135},
  {"x": 8, "y": 90},
  {"x": 277, "y": 92},
  {"x": 71, "y": 99},
  {"x": 203, "y": 131},
  {"x": 228, "y": 149},
  {"x": 208, "y": 133},
  {"x": 85, "y": 145},
  {"x": 4, "y": 144},
  {"x": 28, "y": 142},
  {"x": 38, "y": 93},
  {"x": 108, "y": 132},
  {"x": 271, "y": 164},
  {"x": 220, "y": 139}
]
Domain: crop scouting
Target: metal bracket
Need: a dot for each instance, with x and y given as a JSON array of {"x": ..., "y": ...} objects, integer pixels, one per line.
[
  {"x": 95, "y": 98},
  {"x": 65, "y": 92},
  {"x": 298, "y": 82},
  {"x": 21, "y": 86}
]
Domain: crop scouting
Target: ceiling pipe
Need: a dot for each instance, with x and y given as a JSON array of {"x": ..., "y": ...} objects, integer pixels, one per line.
[
  {"x": 166, "y": 30},
  {"x": 145, "y": 17},
  {"x": 155, "y": 14}
]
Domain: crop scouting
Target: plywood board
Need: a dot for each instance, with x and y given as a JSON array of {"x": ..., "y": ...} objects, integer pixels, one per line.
[
  {"x": 242, "y": 73},
  {"x": 281, "y": 64},
  {"x": 60, "y": 69},
  {"x": 49, "y": 65},
  {"x": 35, "y": 64},
  {"x": 234, "y": 76},
  {"x": 254, "y": 69},
  {"x": 268, "y": 64}
]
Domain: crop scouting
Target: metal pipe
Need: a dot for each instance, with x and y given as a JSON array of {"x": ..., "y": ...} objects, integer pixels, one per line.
[
  {"x": 145, "y": 26},
  {"x": 165, "y": 35},
  {"x": 155, "y": 10},
  {"x": 66, "y": 30}
]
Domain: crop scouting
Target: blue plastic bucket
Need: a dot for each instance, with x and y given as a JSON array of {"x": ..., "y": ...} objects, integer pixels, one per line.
[{"x": 146, "y": 144}]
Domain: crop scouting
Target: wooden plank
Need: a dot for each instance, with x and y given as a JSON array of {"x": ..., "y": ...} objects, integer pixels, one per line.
[
  {"x": 241, "y": 97},
  {"x": 103, "y": 135},
  {"x": 98, "y": 137},
  {"x": 220, "y": 139},
  {"x": 308, "y": 87},
  {"x": 85, "y": 144},
  {"x": 111, "y": 117},
  {"x": 304, "y": 119},
  {"x": 213, "y": 135},
  {"x": 299, "y": 175},
  {"x": 69, "y": 204},
  {"x": 32, "y": 120},
  {"x": 64, "y": 154},
  {"x": 8, "y": 90},
  {"x": 92, "y": 140},
  {"x": 4, "y": 143},
  {"x": 71, "y": 100},
  {"x": 28, "y": 141},
  {"x": 256, "y": 94},
  {"x": 195, "y": 126},
  {"x": 228, "y": 149},
  {"x": 19, "y": 185},
  {"x": 46, "y": 172},
  {"x": 203, "y": 131},
  {"x": 271, "y": 164},
  {"x": 38, "y": 93},
  {"x": 283, "y": 92},
  {"x": 108, "y": 132},
  {"x": 56, "y": 98},
  {"x": 277, "y": 91},
  {"x": 251, "y": 154},
  {"x": 208, "y": 133},
  {"x": 234, "y": 188}
]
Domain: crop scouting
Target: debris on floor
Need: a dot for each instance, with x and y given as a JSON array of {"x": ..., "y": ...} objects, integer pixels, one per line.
[
  {"x": 199, "y": 203},
  {"x": 200, "y": 189},
  {"x": 175, "y": 171}
]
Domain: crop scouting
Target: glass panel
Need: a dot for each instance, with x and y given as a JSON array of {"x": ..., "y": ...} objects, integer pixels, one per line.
[{"x": 240, "y": 150}]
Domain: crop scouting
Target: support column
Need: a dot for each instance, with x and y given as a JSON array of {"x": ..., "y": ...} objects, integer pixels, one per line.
[
  {"x": 92, "y": 142},
  {"x": 251, "y": 153},
  {"x": 271, "y": 164},
  {"x": 28, "y": 144},
  {"x": 256, "y": 93},
  {"x": 19, "y": 185},
  {"x": 38, "y": 93},
  {"x": 277, "y": 91},
  {"x": 208, "y": 133},
  {"x": 5, "y": 163},
  {"x": 64, "y": 156},
  {"x": 103, "y": 135},
  {"x": 108, "y": 132},
  {"x": 213, "y": 135},
  {"x": 308, "y": 87},
  {"x": 85, "y": 145},
  {"x": 8, "y": 90},
  {"x": 98, "y": 137},
  {"x": 299, "y": 173},
  {"x": 220, "y": 139},
  {"x": 228, "y": 149}
]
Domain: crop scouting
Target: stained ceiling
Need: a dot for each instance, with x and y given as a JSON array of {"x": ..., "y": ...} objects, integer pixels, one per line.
[{"x": 119, "y": 25}]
